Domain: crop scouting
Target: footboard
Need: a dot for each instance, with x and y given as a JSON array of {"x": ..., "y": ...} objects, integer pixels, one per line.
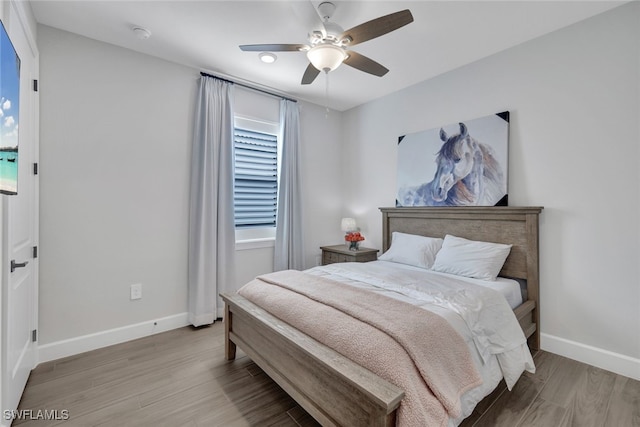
[{"x": 332, "y": 388}]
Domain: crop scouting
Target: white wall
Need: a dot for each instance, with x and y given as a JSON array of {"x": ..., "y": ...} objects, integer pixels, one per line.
[
  {"x": 574, "y": 148},
  {"x": 322, "y": 183},
  {"x": 115, "y": 147},
  {"x": 116, "y": 130}
]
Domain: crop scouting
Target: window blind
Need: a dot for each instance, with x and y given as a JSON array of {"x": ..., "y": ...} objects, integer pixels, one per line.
[{"x": 256, "y": 179}]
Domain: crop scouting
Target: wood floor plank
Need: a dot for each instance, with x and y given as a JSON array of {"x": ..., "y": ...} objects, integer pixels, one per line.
[
  {"x": 111, "y": 393},
  {"x": 484, "y": 405},
  {"x": 56, "y": 391},
  {"x": 91, "y": 418},
  {"x": 180, "y": 383},
  {"x": 281, "y": 420},
  {"x": 302, "y": 417},
  {"x": 94, "y": 358},
  {"x": 176, "y": 408},
  {"x": 180, "y": 378},
  {"x": 588, "y": 408},
  {"x": 254, "y": 409},
  {"x": 512, "y": 405},
  {"x": 542, "y": 413},
  {"x": 546, "y": 364},
  {"x": 561, "y": 386},
  {"x": 624, "y": 404}
]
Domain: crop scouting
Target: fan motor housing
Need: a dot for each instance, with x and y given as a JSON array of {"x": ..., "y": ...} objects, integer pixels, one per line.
[{"x": 326, "y": 9}]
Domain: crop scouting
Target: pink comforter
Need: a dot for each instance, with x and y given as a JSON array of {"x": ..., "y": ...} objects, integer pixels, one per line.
[{"x": 412, "y": 348}]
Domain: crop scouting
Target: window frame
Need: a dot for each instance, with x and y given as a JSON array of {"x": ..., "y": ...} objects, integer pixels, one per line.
[{"x": 258, "y": 237}]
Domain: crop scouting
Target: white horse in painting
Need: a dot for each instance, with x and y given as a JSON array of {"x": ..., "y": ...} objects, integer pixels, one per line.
[{"x": 467, "y": 175}]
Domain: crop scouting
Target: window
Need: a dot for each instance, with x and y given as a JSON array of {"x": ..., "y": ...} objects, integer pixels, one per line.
[{"x": 256, "y": 176}]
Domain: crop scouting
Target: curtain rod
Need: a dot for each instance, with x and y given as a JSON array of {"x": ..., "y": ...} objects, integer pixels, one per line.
[{"x": 202, "y": 73}]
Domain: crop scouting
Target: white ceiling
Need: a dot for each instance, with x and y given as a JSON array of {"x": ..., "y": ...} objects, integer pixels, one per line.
[{"x": 206, "y": 34}]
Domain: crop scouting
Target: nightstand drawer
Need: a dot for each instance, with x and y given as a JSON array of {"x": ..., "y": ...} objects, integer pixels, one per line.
[
  {"x": 340, "y": 253},
  {"x": 332, "y": 257}
]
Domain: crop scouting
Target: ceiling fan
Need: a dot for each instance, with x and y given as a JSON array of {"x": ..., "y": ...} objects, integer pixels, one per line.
[{"x": 329, "y": 43}]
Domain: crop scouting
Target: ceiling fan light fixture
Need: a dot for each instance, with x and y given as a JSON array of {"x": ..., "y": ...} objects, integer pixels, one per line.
[
  {"x": 267, "y": 57},
  {"x": 326, "y": 57}
]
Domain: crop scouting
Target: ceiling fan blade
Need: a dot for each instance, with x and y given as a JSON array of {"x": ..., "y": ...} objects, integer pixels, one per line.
[
  {"x": 365, "y": 64},
  {"x": 273, "y": 47},
  {"x": 378, "y": 27},
  {"x": 310, "y": 75}
]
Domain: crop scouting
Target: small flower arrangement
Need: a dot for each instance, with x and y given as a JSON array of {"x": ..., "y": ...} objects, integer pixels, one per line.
[{"x": 354, "y": 238}]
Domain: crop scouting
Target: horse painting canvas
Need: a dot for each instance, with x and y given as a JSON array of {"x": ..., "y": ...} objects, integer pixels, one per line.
[{"x": 462, "y": 164}]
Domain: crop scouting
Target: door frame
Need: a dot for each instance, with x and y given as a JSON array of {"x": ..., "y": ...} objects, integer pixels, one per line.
[{"x": 24, "y": 23}]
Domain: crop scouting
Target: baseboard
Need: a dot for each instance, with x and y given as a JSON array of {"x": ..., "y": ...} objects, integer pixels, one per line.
[
  {"x": 72, "y": 346},
  {"x": 604, "y": 359}
]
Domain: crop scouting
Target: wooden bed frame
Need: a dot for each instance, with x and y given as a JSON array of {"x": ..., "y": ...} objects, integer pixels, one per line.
[{"x": 337, "y": 391}]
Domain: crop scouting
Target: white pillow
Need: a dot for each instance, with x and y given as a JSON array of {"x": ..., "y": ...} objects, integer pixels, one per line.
[
  {"x": 411, "y": 249},
  {"x": 470, "y": 258}
]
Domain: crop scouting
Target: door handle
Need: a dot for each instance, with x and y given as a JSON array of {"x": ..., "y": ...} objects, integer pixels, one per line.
[{"x": 15, "y": 264}]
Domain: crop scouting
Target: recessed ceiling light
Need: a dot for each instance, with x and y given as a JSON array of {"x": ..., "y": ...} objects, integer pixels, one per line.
[
  {"x": 141, "y": 33},
  {"x": 268, "y": 57}
]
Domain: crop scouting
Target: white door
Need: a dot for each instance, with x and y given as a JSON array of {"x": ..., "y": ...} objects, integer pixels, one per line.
[{"x": 20, "y": 229}]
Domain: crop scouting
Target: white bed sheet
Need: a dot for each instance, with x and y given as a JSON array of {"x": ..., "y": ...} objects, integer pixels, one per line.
[
  {"x": 509, "y": 288},
  {"x": 383, "y": 277}
]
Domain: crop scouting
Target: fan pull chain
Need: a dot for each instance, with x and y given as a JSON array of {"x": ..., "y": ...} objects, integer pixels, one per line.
[{"x": 326, "y": 94}]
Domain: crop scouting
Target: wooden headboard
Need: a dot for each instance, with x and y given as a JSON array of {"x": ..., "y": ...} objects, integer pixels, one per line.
[{"x": 517, "y": 226}]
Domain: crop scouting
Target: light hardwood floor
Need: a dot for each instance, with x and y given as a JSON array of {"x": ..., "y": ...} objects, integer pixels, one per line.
[{"x": 180, "y": 378}]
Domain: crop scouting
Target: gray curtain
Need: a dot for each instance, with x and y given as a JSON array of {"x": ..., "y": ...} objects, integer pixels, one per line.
[
  {"x": 289, "y": 250},
  {"x": 211, "y": 222}
]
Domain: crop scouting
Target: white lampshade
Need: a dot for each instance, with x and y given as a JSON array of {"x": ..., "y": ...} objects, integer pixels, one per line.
[
  {"x": 326, "y": 57},
  {"x": 348, "y": 224}
]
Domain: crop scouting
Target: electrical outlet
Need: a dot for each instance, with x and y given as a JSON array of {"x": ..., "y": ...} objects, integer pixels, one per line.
[{"x": 136, "y": 291}]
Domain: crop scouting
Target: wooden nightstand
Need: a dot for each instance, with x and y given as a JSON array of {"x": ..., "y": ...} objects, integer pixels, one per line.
[{"x": 340, "y": 253}]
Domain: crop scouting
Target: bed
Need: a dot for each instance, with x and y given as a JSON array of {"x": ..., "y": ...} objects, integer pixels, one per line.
[{"x": 334, "y": 389}]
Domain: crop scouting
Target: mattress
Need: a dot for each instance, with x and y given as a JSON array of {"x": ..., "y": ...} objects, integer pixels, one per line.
[
  {"x": 393, "y": 272},
  {"x": 509, "y": 288}
]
